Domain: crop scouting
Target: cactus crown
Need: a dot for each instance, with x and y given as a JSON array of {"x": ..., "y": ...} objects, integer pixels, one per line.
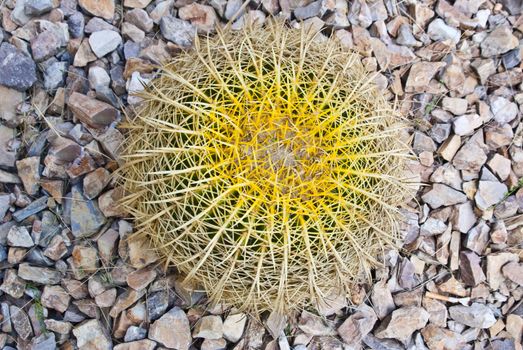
[{"x": 267, "y": 167}]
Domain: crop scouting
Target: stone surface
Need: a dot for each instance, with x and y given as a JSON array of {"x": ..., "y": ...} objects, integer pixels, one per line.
[
  {"x": 98, "y": 8},
  {"x": 503, "y": 110},
  {"x": 37, "y": 274},
  {"x": 17, "y": 70},
  {"x": 403, "y": 323},
  {"x": 495, "y": 264},
  {"x": 438, "y": 338},
  {"x": 55, "y": 297},
  {"x": 441, "y": 195},
  {"x": 104, "y": 41},
  {"x": 86, "y": 217},
  {"x": 357, "y": 325},
  {"x": 21, "y": 322},
  {"x": 499, "y": 41},
  {"x": 18, "y": 236},
  {"x": 477, "y": 315},
  {"x": 179, "y": 32},
  {"x": 92, "y": 335},
  {"x": 209, "y": 327},
  {"x": 172, "y": 330},
  {"x": 92, "y": 112}
]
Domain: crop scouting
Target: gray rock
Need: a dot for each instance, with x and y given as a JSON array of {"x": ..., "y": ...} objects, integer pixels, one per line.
[
  {"x": 512, "y": 58},
  {"x": 233, "y": 327},
  {"x": 134, "y": 333},
  {"x": 503, "y": 110},
  {"x": 18, "y": 14},
  {"x": 405, "y": 36},
  {"x": 140, "y": 19},
  {"x": 442, "y": 195},
  {"x": 92, "y": 335},
  {"x": 489, "y": 193},
  {"x": 180, "y": 32},
  {"x": 157, "y": 303},
  {"x": 403, "y": 323},
  {"x": 209, "y": 327},
  {"x": 33, "y": 208},
  {"x": 12, "y": 284},
  {"x": 55, "y": 74},
  {"x": 86, "y": 217},
  {"x": 98, "y": 78},
  {"x": 45, "y": 341},
  {"x": 37, "y": 7},
  {"x": 357, "y": 325},
  {"x": 76, "y": 23},
  {"x": 514, "y": 7},
  {"x": 40, "y": 275},
  {"x": 438, "y": 30},
  {"x": 18, "y": 236},
  {"x": 49, "y": 42},
  {"x": 172, "y": 330},
  {"x": 311, "y": 10},
  {"x": 17, "y": 71},
  {"x": 477, "y": 315},
  {"x": 499, "y": 41},
  {"x": 20, "y": 322},
  {"x": 104, "y": 41},
  {"x": 97, "y": 24},
  {"x": 471, "y": 272}
]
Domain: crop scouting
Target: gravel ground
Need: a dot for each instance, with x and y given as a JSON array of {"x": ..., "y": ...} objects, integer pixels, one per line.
[{"x": 71, "y": 280}]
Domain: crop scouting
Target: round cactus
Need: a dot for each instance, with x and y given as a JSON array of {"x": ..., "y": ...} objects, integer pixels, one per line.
[{"x": 267, "y": 167}]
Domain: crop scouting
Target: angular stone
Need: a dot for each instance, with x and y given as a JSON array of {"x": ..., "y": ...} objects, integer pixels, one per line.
[
  {"x": 125, "y": 300},
  {"x": 450, "y": 147},
  {"x": 29, "y": 171},
  {"x": 40, "y": 275},
  {"x": 136, "y": 3},
  {"x": 104, "y": 41},
  {"x": 37, "y": 7},
  {"x": 514, "y": 272},
  {"x": 495, "y": 263},
  {"x": 499, "y": 41},
  {"x": 503, "y": 110},
  {"x": 172, "y": 330},
  {"x": 144, "y": 344},
  {"x": 442, "y": 195},
  {"x": 108, "y": 202},
  {"x": 470, "y": 268},
  {"x": 403, "y": 323},
  {"x": 437, "y": 311},
  {"x": 86, "y": 217},
  {"x": 140, "y": 279},
  {"x": 20, "y": 322},
  {"x": 233, "y": 327},
  {"x": 55, "y": 297},
  {"x": 180, "y": 32},
  {"x": 471, "y": 156},
  {"x": 477, "y": 315},
  {"x": 140, "y": 19},
  {"x": 466, "y": 124},
  {"x": 33, "y": 208},
  {"x": 489, "y": 193},
  {"x": 49, "y": 42},
  {"x": 438, "y": 338},
  {"x": 92, "y": 112},
  {"x": 12, "y": 284},
  {"x": 92, "y": 335},
  {"x": 209, "y": 327},
  {"x": 17, "y": 71},
  {"x": 99, "y": 8},
  {"x": 357, "y": 325},
  {"x": 202, "y": 17},
  {"x": 85, "y": 258},
  {"x": 420, "y": 75},
  {"x": 456, "y": 106},
  {"x": 438, "y": 30}
]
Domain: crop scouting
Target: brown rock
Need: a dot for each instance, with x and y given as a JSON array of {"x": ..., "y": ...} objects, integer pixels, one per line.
[
  {"x": 108, "y": 203},
  {"x": 471, "y": 272},
  {"x": 140, "y": 279},
  {"x": 92, "y": 112},
  {"x": 56, "y": 248},
  {"x": 55, "y": 297},
  {"x": 140, "y": 4},
  {"x": 382, "y": 300},
  {"x": 125, "y": 300},
  {"x": 437, "y": 312},
  {"x": 209, "y": 327},
  {"x": 202, "y": 17},
  {"x": 514, "y": 272},
  {"x": 402, "y": 323},
  {"x": 106, "y": 298},
  {"x": 92, "y": 335},
  {"x": 106, "y": 245},
  {"x": 95, "y": 182},
  {"x": 172, "y": 330},
  {"x": 54, "y": 187},
  {"x": 144, "y": 344},
  {"x": 514, "y": 327},
  {"x": 495, "y": 263},
  {"x": 420, "y": 75},
  {"x": 84, "y": 54},
  {"x": 140, "y": 254},
  {"x": 438, "y": 338},
  {"x": 21, "y": 322},
  {"x": 85, "y": 258},
  {"x": 357, "y": 325},
  {"x": 99, "y": 8},
  {"x": 12, "y": 284},
  {"x": 76, "y": 289}
]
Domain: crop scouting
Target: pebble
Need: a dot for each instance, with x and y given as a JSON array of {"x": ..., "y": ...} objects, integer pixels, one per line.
[
  {"x": 357, "y": 325},
  {"x": 403, "y": 323},
  {"x": 503, "y": 110},
  {"x": 438, "y": 30},
  {"x": 55, "y": 297},
  {"x": 514, "y": 272},
  {"x": 499, "y": 41},
  {"x": 172, "y": 330},
  {"x": 99, "y": 8},
  {"x": 17, "y": 70},
  {"x": 442, "y": 195},
  {"x": 104, "y": 41},
  {"x": 92, "y": 112},
  {"x": 20, "y": 322},
  {"x": 477, "y": 315},
  {"x": 92, "y": 335},
  {"x": 86, "y": 217},
  {"x": 495, "y": 264},
  {"x": 489, "y": 193},
  {"x": 208, "y": 327},
  {"x": 179, "y": 32},
  {"x": 40, "y": 275}
]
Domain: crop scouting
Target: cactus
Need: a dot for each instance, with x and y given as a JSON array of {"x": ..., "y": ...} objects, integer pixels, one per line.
[{"x": 267, "y": 167}]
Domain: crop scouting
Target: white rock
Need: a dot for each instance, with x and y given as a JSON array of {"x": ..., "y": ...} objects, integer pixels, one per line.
[
  {"x": 18, "y": 236},
  {"x": 98, "y": 78},
  {"x": 466, "y": 124},
  {"x": 209, "y": 327},
  {"x": 456, "y": 106},
  {"x": 476, "y": 316},
  {"x": 503, "y": 110},
  {"x": 438, "y": 30},
  {"x": 489, "y": 193},
  {"x": 104, "y": 41},
  {"x": 500, "y": 166},
  {"x": 442, "y": 195},
  {"x": 233, "y": 327}
]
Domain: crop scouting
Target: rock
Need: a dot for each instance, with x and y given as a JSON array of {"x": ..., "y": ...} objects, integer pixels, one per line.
[
  {"x": 29, "y": 171},
  {"x": 477, "y": 238},
  {"x": 179, "y": 32},
  {"x": 86, "y": 217},
  {"x": 17, "y": 70},
  {"x": 12, "y": 284},
  {"x": 484, "y": 69},
  {"x": 125, "y": 300},
  {"x": 136, "y": 3},
  {"x": 18, "y": 236},
  {"x": 92, "y": 335},
  {"x": 144, "y": 344},
  {"x": 98, "y": 78},
  {"x": 466, "y": 124},
  {"x": 140, "y": 279},
  {"x": 382, "y": 300},
  {"x": 104, "y": 41},
  {"x": 471, "y": 156},
  {"x": 108, "y": 202},
  {"x": 489, "y": 193},
  {"x": 84, "y": 55},
  {"x": 85, "y": 258},
  {"x": 37, "y": 7},
  {"x": 514, "y": 272},
  {"x": 49, "y": 42},
  {"x": 20, "y": 322},
  {"x": 442, "y": 195},
  {"x": 438, "y": 30},
  {"x": 106, "y": 298},
  {"x": 208, "y": 327},
  {"x": 500, "y": 165},
  {"x": 54, "y": 76},
  {"x": 420, "y": 75},
  {"x": 76, "y": 24},
  {"x": 499, "y": 41},
  {"x": 59, "y": 327},
  {"x": 390, "y": 55},
  {"x": 11, "y": 99},
  {"x": 99, "y": 8},
  {"x": 314, "y": 325},
  {"x": 514, "y": 327},
  {"x": 220, "y": 344},
  {"x": 95, "y": 182},
  {"x": 135, "y": 333},
  {"x": 503, "y": 110},
  {"x": 433, "y": 227},
  {"x": 202, "y": 17},
  {"x": 470, "y": 268},
  {"x": 132, "y": 32},
  {"x": 402, "y": 323},
  {"x": 55, "y": 297},
  {"x": 92, "y": 112},
  {"x": 40, "y": 275},
  {"x": 495, "y": 263},
  {"x": 33, "y": 208},
  {"x": 357, "y": 325},
  {"x": 437, "y": 311},
  {"x": 45, "y": 341},
  {"x": 456, "y": 106},
  {"x": 477, "y": 315},
  {"x": 405, "y": 36},
  {"x": 172, "y": 330},
  {"x": 438, "y": 338}
]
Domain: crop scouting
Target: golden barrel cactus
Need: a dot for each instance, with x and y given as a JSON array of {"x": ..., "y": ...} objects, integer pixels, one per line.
[{"x": 267, "y": 167}]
